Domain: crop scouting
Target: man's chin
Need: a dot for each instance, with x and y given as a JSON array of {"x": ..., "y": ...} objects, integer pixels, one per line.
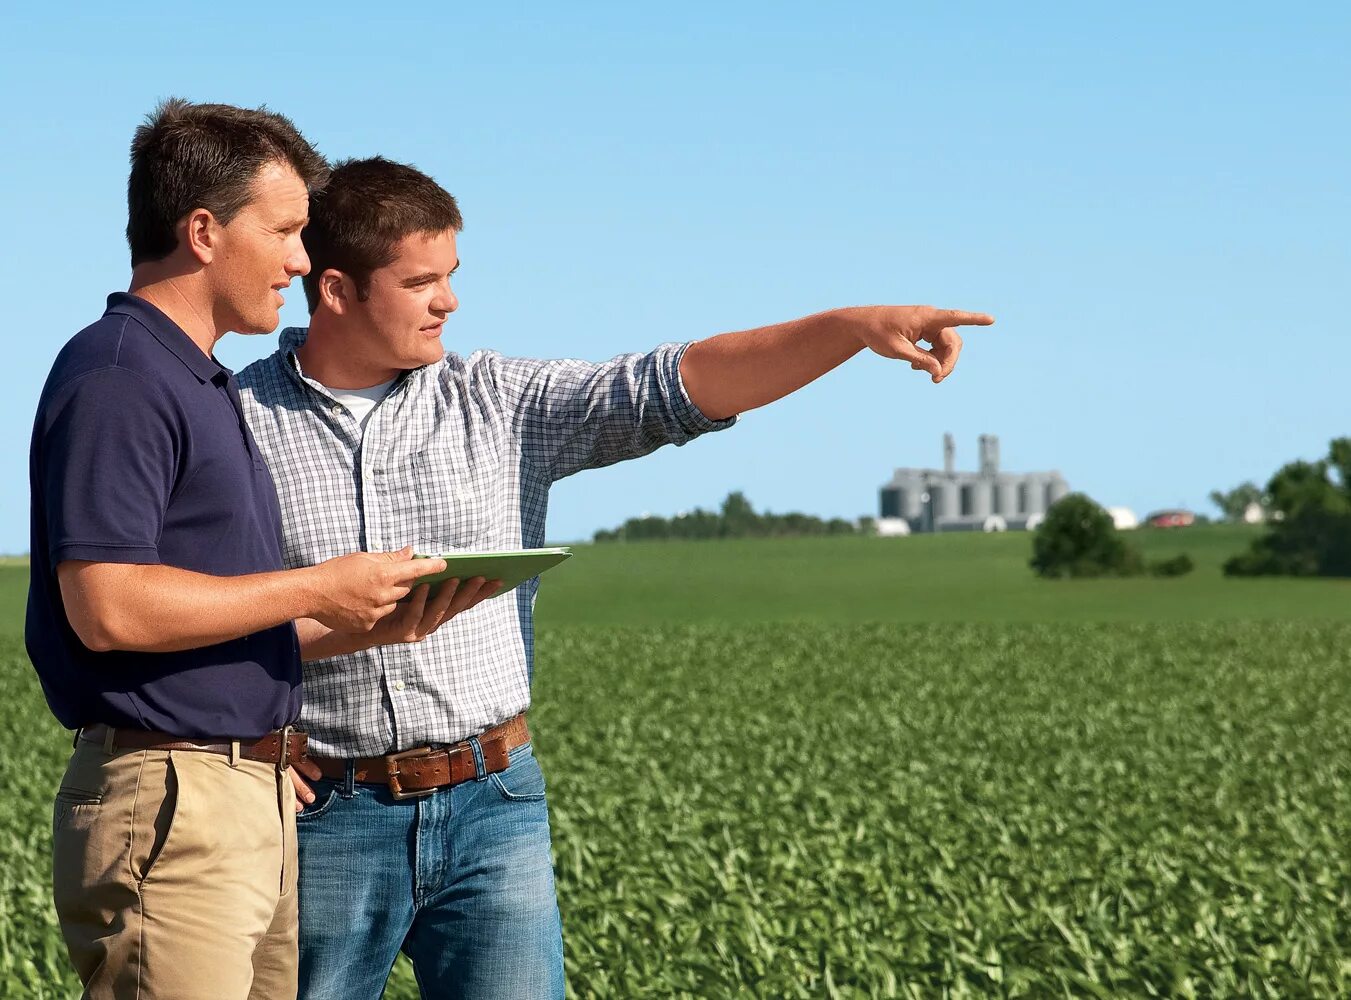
[{"x": 254, "y": 325}]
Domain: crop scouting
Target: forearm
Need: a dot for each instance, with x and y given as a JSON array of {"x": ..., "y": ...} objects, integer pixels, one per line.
[
  {"x": 162, "y": 609},
  {"x": 319, "y": 642},
  {"x": 735, "y": 372}
]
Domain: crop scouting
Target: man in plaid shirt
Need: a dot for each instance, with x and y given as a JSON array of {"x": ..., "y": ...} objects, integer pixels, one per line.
[{"x": 426, "y": 828}]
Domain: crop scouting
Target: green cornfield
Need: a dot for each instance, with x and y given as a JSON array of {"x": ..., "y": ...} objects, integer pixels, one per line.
[{"x": 1026, "y": 803}]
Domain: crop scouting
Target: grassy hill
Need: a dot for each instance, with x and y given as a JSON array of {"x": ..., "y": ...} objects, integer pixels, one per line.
[
  {"x": 938, "y": 578},
  {"x": 943, "y": 578}
]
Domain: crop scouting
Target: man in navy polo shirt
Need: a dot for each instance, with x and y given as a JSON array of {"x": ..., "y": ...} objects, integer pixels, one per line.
[{"x": 159, "y": 617}]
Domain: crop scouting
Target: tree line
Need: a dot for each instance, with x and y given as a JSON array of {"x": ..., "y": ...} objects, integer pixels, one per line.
[{"x": 736, "y": 518}]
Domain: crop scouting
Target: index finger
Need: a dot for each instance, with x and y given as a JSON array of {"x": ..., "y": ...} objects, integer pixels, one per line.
[
  {"x": 436, "y": 607},
  {"x": 405, "y": 572},
  {"x": 417, "y": 602},
  {"x": 955, "y": 317}
]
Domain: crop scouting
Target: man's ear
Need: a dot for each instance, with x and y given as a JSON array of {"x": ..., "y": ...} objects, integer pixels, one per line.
[
  {"x": 337, "y": 293},
  {"x": 199, "y": 233}
]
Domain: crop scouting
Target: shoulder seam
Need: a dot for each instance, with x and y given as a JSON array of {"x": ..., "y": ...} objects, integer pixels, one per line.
[
  {"x": 105, "y": 369},
  {"x": 121, "y": 335}
]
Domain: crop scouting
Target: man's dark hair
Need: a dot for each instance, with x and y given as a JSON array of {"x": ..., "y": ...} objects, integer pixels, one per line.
[
  {"x": 188, "y": 156},
  {"x": 358, "y": 219}
]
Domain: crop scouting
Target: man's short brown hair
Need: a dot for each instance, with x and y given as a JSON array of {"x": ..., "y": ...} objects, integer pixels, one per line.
[
  {"x": 188, "y": 156},
  {"x": 367, "y": 208}
]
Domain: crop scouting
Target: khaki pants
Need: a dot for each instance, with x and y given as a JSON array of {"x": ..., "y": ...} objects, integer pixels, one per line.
[{"x": 175, "y": 875}]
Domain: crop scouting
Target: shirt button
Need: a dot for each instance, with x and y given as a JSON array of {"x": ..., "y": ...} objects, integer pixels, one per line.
[
  {"x": 337, "y": 408},
  {"x": 399, "y": 685}
]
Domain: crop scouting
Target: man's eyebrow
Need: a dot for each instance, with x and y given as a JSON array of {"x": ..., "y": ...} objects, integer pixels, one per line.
[
  {"x": 426, "y": 276},
  {"x": 297, "y": 223}
]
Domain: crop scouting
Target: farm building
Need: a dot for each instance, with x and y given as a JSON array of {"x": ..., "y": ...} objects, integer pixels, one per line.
[{"x": 985, "y": 500}]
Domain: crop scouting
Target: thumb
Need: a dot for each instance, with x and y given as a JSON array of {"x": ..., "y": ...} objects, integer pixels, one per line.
[{"x": 403, "y": 555}]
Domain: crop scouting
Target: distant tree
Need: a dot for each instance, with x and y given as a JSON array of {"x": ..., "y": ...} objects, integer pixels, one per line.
[
  {"x": 1234, "y": 503},
  {"x": 738, "y": 516},
  {"x": 1178, "y": 565},
  {"x": 1310, "y": 531},
  {"x": 1078, "y": 539}
]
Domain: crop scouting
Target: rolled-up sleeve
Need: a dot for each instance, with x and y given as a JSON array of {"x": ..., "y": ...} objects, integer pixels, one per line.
[
  {"x": 108, "y": 460},
  {"x": 572, "y": 415}
]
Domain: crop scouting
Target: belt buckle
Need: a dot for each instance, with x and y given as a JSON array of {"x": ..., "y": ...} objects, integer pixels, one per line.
[
  {"x": 284, "y": 751},
  {"x": 395, "y": 788}
]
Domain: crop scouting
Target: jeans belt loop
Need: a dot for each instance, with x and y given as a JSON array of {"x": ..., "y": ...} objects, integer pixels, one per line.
[
  {"x": 480, "y": 769},
  {"x": 109, "y": 740},
  {"x": 234, "y": 753}
]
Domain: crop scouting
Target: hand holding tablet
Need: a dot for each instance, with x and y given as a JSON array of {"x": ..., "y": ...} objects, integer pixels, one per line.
[{"x": 512, "y": 567}]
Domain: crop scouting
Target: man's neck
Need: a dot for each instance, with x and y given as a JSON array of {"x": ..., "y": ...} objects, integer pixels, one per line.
[
  {"x": 178, "y": 296},
  {"x": 326, "y": 358}
]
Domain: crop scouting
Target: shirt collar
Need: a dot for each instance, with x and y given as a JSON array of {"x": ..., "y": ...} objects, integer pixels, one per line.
[
  {"x": 293, "y": 338},
  {"x": 168, "y": 333}
]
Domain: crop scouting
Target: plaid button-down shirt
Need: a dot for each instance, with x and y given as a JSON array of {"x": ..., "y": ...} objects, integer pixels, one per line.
[{"x": 459, "y": 455}]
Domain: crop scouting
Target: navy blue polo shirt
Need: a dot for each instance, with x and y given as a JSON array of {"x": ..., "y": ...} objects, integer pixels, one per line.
[{"x": 140, "y": 454}]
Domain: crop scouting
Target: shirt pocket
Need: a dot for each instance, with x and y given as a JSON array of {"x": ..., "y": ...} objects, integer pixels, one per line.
[{"x": 452, "y": 502}]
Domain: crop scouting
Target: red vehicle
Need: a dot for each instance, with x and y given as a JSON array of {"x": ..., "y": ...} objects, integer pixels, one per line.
[{"x": 1170, "y": 519}]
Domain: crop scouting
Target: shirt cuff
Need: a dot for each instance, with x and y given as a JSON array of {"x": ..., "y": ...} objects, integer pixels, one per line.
[{"x": 691, "y": 418}]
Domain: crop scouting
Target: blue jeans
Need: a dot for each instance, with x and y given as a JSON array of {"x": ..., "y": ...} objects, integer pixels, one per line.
[{"x": 460, "y": 880}]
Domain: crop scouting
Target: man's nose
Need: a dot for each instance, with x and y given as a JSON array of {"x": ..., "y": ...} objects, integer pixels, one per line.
[
  {"x": 445, "y": 300},
  {"x": 298, "y": 262}
]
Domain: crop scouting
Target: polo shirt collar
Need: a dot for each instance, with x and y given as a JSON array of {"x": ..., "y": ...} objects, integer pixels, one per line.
[{"x": 168, "y": 333}]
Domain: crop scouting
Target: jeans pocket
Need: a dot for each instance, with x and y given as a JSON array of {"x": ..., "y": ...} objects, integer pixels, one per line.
[
  {"x": 522, "y": 781},
  {"x": 322, "y": 803}
]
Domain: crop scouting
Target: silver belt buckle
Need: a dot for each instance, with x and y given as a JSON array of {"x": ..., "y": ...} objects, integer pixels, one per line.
[{"x": 285, "y": 751}]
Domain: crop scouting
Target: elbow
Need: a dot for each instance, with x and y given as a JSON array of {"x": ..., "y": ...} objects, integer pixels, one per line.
[
  {"x": 96, "y": 634},
  {"x": 98, "y": 619}
]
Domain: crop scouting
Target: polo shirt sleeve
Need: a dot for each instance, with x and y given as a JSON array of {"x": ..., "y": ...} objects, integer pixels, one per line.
[{"x": 108, "y": 466}]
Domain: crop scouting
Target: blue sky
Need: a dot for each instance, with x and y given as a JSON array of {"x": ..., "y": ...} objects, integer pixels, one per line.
[{"x": 1153, "y": 201}]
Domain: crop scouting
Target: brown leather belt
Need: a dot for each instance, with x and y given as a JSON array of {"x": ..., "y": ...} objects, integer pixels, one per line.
[
  {"x": 280, "y": 747},
  {"x": 424, "y": 770}
]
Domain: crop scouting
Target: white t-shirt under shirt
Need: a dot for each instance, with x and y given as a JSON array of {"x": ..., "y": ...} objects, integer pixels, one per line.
[{"x": 362, "y": 401}]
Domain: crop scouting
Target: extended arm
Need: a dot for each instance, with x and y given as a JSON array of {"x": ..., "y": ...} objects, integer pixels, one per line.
[{"x": 735, "y": 372}]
